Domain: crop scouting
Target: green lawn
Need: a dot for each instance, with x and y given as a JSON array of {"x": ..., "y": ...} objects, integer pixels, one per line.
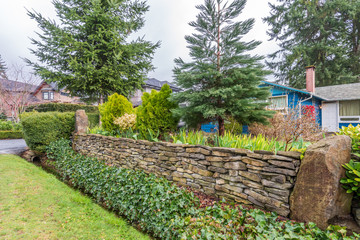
[{"x": 36, "y": 205}]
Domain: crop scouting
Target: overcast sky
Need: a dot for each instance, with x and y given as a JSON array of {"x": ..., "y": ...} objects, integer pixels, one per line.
[{"x": 166, "y": 21}]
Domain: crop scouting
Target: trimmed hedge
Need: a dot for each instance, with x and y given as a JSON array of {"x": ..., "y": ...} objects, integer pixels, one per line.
[
  {"x": 11, "y": 134},
  {"x": 9, "y": 126},
  {"x": 40, "y": 129},
  {"x": 62, "y": 107},
  {"x": 168, "y": 212}
]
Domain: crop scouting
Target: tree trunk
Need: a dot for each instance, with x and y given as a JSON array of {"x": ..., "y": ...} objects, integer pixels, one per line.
[
  {"x": 100, "y": 101},
  {"x": 198, "y": 127},
  {"x": 221, "y": 126}
]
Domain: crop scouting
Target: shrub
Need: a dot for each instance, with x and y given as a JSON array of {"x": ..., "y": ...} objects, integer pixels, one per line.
[
  {"x": 354, "y": 133},
  {"x": 290, "y": 127},
  {"x": 352, "y": 180},
  {"x": 155, "y": 112},
  {"x": 9, "y": 125},
  {"x": 126, "y": 121},
  {"x": 116, "y": 106},
  {"x": 6, "y": 126},
  {"x": 11, "y": 134},
  {"x": 61, "y": 107},
  {"x": 40, "y": 129},
  {"x": 169, "y": 212}
]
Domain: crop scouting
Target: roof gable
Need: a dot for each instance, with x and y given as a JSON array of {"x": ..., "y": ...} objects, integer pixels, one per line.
[{"x": 291, "y": 89}]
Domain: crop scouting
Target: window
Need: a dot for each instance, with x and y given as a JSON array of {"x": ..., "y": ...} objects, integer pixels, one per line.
[
  {"x": 48, "y": 95},
  {"x": 278, "y": 103},
  {"x": 349, "y": 111}
]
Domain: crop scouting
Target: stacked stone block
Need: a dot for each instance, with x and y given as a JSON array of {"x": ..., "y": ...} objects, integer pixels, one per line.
[{"x": 259, "y": 178}]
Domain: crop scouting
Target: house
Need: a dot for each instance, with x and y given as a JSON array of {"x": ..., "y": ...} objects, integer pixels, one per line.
[
  {"x": 334, "y": 106},
  {"x": 150, "y": 84},
  {"x": 16, "y": 95},
  {"x": 341, "y": 106},
  {"x": 50, "y": 92},
  {"x": 284, "y": 98}
]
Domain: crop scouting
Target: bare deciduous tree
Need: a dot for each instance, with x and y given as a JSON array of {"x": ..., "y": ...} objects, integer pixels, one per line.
[{"x": 15, "y": 91}]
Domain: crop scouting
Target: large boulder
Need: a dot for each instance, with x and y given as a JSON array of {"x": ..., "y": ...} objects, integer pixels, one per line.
[
  {"x": 318, "y": 196},
  {"x": 81, "y": 122}
]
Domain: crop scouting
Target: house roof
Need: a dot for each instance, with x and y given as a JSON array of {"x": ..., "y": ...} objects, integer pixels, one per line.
[
  {"x": 295, "y": 90},
  {"x": 349, "y": 91},
  {"x": 53, "y": 85},
  {"x": 156, "y": 84},
  {"x": 16, "y": 86}
]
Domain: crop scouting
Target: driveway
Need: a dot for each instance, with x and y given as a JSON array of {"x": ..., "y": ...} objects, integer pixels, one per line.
[{"x": 13, "y": 146}]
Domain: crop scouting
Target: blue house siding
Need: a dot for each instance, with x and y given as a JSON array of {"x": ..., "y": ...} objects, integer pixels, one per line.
[
  {"x": 294, "y": 97},
  {"x": 210, "y": 127}
]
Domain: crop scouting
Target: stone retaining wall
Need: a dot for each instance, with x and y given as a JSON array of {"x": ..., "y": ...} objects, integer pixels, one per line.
[{"x": 258, "y": 178}]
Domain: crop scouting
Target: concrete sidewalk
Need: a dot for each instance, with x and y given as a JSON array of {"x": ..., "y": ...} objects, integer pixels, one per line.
[{"x": 13, "y": 146}]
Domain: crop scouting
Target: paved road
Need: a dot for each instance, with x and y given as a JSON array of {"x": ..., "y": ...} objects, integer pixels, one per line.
[{"x": 14, "y": 146}]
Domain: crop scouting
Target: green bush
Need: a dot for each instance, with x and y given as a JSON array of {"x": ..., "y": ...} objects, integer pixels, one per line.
[
  {"x": 116, "y": 106},
  {"x": 155, "y": 112},
  {"x": 40, "y": 129},
  {"x": 61, "y": 107},
  {"x": 6, "y": 126},
  {"x": 352, "y": 180},
  {"x": 354, "y": 133},
  {"x": 168, "y": 212},
  {"x": 9, "y": 125},
  {"x": 11, "y": 134}
]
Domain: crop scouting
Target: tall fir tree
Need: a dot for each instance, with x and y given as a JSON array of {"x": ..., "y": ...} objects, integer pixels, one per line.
[
  {"x": 3, "y": 68},
  {"x": 222, "y": 79},
  {"x": 324, "y": 33},
  {"x": 350, "y": 17},
  {"x": 88, "y": 53}
]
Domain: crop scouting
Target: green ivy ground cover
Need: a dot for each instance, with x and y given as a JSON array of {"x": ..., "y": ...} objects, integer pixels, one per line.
[
  {"x": 168, "y": 212},
  {"x": 36, "y": 205}
]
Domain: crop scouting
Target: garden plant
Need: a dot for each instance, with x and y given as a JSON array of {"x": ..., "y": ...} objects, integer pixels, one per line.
[
  {"x": 10, "y": 130},
  {"x": 352, "y": 180},
  {"x": 168, "y": 212}
]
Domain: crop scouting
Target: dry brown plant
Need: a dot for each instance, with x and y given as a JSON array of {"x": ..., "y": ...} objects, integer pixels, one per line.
[{"x": 290, "y": 127}]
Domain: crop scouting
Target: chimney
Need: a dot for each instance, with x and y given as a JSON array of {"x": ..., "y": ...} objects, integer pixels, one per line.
[{"x": 310, "y": 79}]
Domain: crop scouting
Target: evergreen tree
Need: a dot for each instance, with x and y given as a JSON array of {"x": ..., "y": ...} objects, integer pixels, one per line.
[
  {"x": 3, "y": 68},
  {"x": 222, "y": 79},
  {"x": 87, "y": 51},
  {"x": 315, "y": 32}
]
